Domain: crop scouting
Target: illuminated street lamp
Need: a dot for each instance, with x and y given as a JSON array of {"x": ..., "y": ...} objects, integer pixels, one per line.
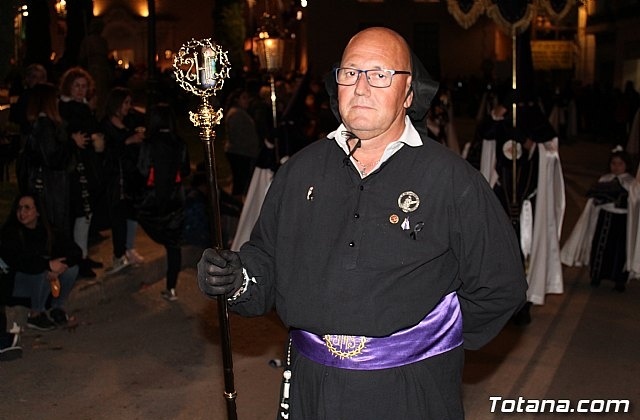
[
  {"x": 269, "y": 46},
  {"x": 61, "y": 8}
]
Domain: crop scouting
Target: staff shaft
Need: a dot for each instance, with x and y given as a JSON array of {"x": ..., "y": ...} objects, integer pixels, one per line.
[{"x": 216, "y": 234}]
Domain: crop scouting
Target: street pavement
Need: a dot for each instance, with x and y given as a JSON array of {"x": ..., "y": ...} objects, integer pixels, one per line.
[{"x": 133, "y": 355}]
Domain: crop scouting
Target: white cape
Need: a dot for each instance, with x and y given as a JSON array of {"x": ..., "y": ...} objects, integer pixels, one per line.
[
  {"x": 544, "y": 272},
  {"x": 260, "y": 183},
  {"x": 576, "y": 250}
]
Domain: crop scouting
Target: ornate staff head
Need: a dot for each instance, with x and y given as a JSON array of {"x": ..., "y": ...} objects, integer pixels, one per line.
[{"x": 200, "y": 67}]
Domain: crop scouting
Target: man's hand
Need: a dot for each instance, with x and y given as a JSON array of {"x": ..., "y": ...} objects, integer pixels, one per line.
[{"x": 219, "y": 272}]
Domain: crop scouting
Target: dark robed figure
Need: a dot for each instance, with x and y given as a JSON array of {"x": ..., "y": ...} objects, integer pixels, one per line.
[{"x": 383, "y": 252}]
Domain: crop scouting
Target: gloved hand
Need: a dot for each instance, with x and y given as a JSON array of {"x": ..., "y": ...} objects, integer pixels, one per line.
[{"x": 219, "y": 272}]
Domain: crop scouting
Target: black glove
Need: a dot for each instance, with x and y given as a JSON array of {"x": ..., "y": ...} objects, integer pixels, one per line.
[{"x": 219, "y": 272}]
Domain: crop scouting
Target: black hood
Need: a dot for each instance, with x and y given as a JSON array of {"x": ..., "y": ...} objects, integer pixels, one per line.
[{"x": 423, "y": 86}]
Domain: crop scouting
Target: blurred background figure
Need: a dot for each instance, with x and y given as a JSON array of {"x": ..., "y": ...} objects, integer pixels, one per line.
[
  {"x": 531, "y": 190},
  {"x": 43, "y": 164},
  {"x": 439, "y": 120},
  {"x": 242, "y": 145},
  {"x": 599, "y": 238},
  {"x": 164, "y": 162},
  {"x": 33, "y": 75},
  {"x": 122, "y": 180},
  {"x": 83, "y": 128}
]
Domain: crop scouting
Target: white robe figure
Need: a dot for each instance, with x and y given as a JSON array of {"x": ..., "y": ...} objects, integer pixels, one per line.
[
  {"x": 540, "y": 240},
  {"x": 576, "y": 251}
]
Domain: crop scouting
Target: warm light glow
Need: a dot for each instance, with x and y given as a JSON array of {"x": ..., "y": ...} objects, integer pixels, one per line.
[
  {"x": 99, "y": 7},
  {"x": 123, "y": 57},
  {"x": 138, "y": 7},
  {"x": 61, "y": 8},
  {"x": 142, "y": 9}
]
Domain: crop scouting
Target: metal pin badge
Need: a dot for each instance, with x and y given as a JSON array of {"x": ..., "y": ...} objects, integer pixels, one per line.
[
  {"x": 408, "y": 201},
  {"x": 394, "y": 219},
  {"x": 310, "y": 194}
]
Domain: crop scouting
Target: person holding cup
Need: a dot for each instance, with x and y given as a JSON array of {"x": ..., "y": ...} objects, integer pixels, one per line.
[{"x": 83, "y": 128}]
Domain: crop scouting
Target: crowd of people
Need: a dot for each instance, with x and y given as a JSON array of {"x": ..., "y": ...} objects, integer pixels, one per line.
[{"x": 79, "y": 172}]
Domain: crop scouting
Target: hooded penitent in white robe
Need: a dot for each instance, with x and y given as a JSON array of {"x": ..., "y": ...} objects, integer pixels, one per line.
[{"x": 540, "y": 228}]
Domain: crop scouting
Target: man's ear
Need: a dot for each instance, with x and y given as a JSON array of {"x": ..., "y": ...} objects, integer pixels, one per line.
[{"x": 408, "y": 99}]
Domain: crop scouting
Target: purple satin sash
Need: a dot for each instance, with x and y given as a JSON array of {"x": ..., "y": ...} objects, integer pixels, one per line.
[{"x": 438, "y": 332}]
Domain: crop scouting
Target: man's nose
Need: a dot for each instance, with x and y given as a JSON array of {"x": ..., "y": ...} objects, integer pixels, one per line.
[{"x": 362, "y": 84}]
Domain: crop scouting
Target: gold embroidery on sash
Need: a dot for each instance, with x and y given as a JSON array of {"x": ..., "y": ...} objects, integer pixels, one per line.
[{"x": 345, "y": 346}]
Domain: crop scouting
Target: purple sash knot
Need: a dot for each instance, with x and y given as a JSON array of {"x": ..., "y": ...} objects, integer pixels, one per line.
[{"x": 439, "y": 332}]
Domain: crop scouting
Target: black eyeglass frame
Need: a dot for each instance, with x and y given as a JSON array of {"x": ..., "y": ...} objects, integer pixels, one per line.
[{"x": 366, "y": 75}]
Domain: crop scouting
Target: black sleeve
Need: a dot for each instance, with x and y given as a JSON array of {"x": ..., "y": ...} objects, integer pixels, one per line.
[
  {"x": 18, "y": 255},
  {"x": 491, "y": 271},
  {"x": 64, "y": 246}
]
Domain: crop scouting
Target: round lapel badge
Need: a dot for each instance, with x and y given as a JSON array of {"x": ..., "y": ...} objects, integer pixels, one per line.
[
  {"x": 408, "y": 201},
  {"x": 394, "y": 218}
]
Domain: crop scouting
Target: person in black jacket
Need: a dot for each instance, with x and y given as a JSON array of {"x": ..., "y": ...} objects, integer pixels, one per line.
[
  {"x": 45, "y": 158},
  {"x": 122, "y": 180},
  {"x": 164, "y": 163},
  {"x": 44, "y": 260},
  {"x": 83, "y": 128}
]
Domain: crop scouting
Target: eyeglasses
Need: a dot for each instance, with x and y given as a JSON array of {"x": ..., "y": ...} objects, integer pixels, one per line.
[{"x": 347, "y": 76}]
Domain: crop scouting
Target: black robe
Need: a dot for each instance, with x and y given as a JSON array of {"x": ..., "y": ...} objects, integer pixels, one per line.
[{"x": 326, "y": 253}]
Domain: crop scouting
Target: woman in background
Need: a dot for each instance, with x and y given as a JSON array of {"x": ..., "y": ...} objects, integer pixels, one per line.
[
  {"x": 122, "y": 180},
  {"x": 44, "y": 259},
  {"x": 84, "y": 130}
]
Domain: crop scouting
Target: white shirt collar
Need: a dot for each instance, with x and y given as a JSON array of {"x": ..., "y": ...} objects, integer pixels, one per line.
[{"x": 409, "y": 136}]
